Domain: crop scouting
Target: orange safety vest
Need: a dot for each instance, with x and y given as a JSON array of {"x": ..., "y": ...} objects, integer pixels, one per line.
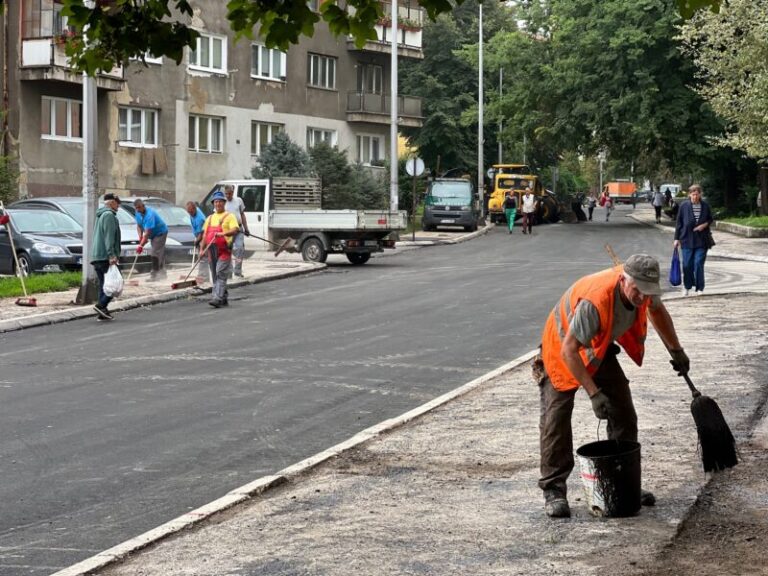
[{"x": 600, "y": 290}]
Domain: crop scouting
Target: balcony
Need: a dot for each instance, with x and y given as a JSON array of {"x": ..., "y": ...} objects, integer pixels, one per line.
[
  {"x": 376, "y": 109},
  {"x": 409, "y": 26},
  {"x": 45, "y": 59}
]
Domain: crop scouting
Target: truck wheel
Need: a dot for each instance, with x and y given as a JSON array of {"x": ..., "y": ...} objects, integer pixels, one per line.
[
  {"x": 313, "y": 251},
  {"x": 358, "y": 258}
]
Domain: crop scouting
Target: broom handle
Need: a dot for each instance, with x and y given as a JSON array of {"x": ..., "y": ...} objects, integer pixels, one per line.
[
  {"x": 694, "y": 391},
  {"x": 19, "y": 271},
  {"x": 135, "y": 258},
  {"x": 202, "y": 253}
]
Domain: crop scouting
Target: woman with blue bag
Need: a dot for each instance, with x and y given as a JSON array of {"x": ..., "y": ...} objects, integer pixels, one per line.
[{"x": 694, "y": 236}]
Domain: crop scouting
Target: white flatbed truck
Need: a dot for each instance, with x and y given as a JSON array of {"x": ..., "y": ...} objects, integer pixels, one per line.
[{"x": 279, "y": 208}]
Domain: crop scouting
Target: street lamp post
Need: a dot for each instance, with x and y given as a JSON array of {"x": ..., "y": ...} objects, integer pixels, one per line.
[
  {"x": 480, "y": 174},
  {"x": 393, "y": 185}
]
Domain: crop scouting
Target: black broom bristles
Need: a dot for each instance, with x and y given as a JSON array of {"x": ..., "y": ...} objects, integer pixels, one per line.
[{"x": 718, "y": 446}]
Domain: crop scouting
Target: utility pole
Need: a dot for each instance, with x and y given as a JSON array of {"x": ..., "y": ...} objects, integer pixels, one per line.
[
  {"x": 480, "y": 174},
  {"x": 393, "y": 164},
  {"x": 88, "y": 289},
  {"x": 501, "y": 119},
  {"x": 601, "y": 159}
]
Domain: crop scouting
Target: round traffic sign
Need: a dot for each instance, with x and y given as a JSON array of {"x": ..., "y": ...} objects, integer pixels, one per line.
[{"x": 414, "y": 166}]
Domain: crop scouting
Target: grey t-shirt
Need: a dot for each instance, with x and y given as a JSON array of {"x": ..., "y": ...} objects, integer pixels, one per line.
[{"x": 585, "y": 323}]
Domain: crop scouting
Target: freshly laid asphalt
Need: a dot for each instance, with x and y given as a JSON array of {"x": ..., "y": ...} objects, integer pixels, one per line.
[{"x": 453, "y": 491}]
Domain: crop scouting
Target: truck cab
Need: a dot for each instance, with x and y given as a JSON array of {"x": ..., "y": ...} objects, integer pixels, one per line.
[{"x": 450, "y": 202}]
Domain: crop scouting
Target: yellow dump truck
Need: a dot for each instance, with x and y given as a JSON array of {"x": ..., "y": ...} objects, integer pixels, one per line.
[{"x": 516, "y": 178}]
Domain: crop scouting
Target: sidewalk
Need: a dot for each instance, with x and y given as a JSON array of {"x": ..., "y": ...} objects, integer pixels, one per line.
[{"x": 450, "y": 488}]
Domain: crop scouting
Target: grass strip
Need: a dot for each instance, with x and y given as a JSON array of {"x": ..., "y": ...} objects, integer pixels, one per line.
[
  {"x": 37, "y": 283},
  {"x": 753, "y": 221}
]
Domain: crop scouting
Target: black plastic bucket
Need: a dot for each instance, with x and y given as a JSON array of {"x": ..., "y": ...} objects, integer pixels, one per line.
[{"x": 610, "y": 472}]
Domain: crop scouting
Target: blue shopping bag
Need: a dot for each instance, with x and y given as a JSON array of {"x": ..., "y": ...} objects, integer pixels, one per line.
[{"x": 675, "y": 278}]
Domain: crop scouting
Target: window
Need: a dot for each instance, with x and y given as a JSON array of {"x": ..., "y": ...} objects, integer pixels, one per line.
[
  {"x": 267, "y": 63},
  {"x": 369, "y": 148},
  {"x": 253, "y": 198},
  {"x": 149, "y": 59},
  {"x": 61, "y": 119},
  {"x": 206, "y": 134},
  {"x": 262, "y": 134},
  {"x": 370, "y": 78},
  {"x": 321, "y": 71},
  {"x": 316, "y": 135},
  {"x": 314, "y": 5},
  {"x": 209, "y": 54},
  {"x": 137, "y": 127}
]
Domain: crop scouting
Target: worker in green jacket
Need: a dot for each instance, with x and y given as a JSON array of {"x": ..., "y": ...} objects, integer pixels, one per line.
[{"x": 106, "y": 249}]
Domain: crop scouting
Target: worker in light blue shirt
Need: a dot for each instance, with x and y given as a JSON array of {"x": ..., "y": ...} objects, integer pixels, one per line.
[
  {"x": 197, "y": 221},
  {"x": 152, "y": 228}
]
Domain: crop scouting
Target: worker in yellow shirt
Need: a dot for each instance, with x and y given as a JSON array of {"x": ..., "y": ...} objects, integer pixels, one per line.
[{"x": 218, "y": 232}]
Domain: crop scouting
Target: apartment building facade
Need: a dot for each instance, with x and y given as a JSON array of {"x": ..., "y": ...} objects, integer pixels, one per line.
[{"x": 173, "y": 130}]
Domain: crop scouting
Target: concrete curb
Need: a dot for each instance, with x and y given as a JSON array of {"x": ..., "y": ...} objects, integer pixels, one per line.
[
  {"x": 439, "y": 242},
  {"x": 262, "y": 485},
  {"x": 715, "y": 251},
  {"x": 741, "y": 230},
  {"x": 58, "y": 316}
]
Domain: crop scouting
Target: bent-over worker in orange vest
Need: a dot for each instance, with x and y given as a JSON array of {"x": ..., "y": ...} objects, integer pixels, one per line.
[
  {"x": 218, "y": 232},
  {"x": 579, "y": 348}
]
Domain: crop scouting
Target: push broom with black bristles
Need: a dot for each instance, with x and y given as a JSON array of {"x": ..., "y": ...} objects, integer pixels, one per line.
[
  {"x": 716, "y": 442},
  {"x": 28, "y": 300}
]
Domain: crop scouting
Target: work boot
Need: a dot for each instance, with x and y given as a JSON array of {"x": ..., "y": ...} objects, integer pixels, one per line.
[
  {"x": 647, "y": 498},
  {"x": 215, "y": 303},
  {"x": 556, "y": 505}
]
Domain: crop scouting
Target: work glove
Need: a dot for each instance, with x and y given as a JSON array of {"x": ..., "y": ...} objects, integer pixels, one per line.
[
  {"x": 680, "y": 362},
  {"x": 139, "y": 249},
  {"x": 4, "y": 219},
  {"x": 601, "y": 405}
]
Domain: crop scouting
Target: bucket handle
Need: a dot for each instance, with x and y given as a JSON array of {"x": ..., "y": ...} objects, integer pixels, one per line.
[{"x": 598, "y": 428}]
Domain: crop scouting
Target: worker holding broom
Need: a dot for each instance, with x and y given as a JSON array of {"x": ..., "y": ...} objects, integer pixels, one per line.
[
  {"x": 579, "y": 349},
  {"x": 218, "y": 233}
]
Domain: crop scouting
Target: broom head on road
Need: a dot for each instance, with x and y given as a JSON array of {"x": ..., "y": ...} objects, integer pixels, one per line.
[{"x": 718, "y": 446}]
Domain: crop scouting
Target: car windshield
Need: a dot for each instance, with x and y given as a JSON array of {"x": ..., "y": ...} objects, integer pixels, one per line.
[
  {"x": 44, "y": 221},
  {"x": 456, "y": 192},
  {"x": 508, "y": 183},
  {"x": 75, "y": 209},
  {"x": 172, "y": 215}
]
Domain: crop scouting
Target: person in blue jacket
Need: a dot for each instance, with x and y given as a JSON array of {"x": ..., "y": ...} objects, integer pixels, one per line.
[
  {"x": 693, "y": 235},
  {"x": 152, "y": 228}
]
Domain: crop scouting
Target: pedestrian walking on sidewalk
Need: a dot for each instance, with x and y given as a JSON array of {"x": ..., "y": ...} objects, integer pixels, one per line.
[
  {"x": 219, "y": 230},
  {"x": 529, "y": 210},
  {"x": 591, "y": 203},
  {"x": 152, "y": 229},
  {"x": 197, "y": 221},
  {"x": 693, "y": 234},
  {"x": 580, "y": 343},
  {"x": 510, "y": 210},
  {"x": 105, "y": 250},
  {"x": 236, "y": 207},
  {"x": 658, "y": 204}
]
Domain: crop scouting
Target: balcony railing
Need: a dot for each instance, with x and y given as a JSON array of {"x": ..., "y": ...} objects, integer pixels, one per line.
[
  {"x": 45, "y": 59},
  {"x": 409, "y": 30},
  {"x": 377, "y": 108}
]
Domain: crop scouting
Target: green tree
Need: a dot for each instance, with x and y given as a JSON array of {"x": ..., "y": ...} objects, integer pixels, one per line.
[
  {"x": 332, "y": 167},
  {"x": 282, "y": 157}
]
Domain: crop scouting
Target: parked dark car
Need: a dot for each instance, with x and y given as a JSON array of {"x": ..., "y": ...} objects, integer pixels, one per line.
[
  {"x": 73, "y": 206},
  {"x": 46, "y": 240},
  {"x": 178, "y": 246}
]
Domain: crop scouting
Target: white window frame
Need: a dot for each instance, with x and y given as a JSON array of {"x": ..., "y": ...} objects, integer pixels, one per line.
[
  {"x": 266, "y": 71},
  {"x": 314, "y": 5},
  {"x": 372, "y": 74},
  {"x": 149, "y": 59},
  {"x": 131, "y": 112},
  {"x": 52, "y": 119},
  {"x": 321, "y": 71},
  {"x": 365, "y": 148},
  {"x": 272, "y": 130},
  {"x": 315, "y": 135},
  {"x": 195, "y": 56},
  {"x": 208, "y": 147}
]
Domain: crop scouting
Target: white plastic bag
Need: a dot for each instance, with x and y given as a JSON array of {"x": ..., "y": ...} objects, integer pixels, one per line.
[{"x": 113, "y": 282}]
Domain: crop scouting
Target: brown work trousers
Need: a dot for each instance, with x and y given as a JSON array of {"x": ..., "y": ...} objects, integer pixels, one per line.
[{"x": 556, "y": 436}]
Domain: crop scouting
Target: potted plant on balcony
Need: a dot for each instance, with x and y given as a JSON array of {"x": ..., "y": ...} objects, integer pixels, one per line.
[{"x": 65, "y": 36}]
